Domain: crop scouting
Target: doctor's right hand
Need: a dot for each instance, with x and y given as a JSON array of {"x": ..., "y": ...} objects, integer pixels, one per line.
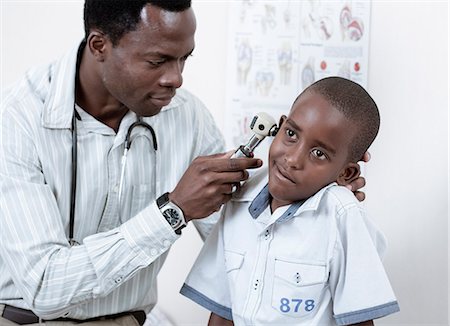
[{"x": 208, "y": 183}]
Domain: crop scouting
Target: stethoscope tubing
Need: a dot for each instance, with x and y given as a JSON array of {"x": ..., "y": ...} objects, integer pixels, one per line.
[{"x": 127, "y": 146}]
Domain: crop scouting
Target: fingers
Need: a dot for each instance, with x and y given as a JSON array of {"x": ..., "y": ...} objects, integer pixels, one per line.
[
  {"x": 209, "y": 182},
  {"x": 235, "y": 187},
  {"x": 225, "y": 155},
  {"x": 233, "y": 177},
  {"x": 220, "y": 163},
  {"x": 224, "y": 199},
  {"x": 366, "y": 157},
  {"x": 238, "y": 164},
  {"x": 357, "y": 184},
  {"x": 229, "y": 154},
  {"x": 360, "y": 195}
]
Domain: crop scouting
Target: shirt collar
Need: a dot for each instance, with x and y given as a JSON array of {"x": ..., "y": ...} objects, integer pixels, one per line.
[
  {"x": 60, "y": 99},
  {"x": 262, "y": 200}
]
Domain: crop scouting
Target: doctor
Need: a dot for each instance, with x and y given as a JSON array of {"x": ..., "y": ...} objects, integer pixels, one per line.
[{"x": 85, "y": 229}]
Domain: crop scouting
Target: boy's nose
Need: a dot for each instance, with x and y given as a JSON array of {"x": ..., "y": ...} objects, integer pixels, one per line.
[{"x": 295, "y": 157}]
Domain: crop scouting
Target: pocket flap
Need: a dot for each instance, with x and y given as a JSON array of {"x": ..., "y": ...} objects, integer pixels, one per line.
[
  {"x": 233, "y": 260},
  {"x": 300, "y": 273}
]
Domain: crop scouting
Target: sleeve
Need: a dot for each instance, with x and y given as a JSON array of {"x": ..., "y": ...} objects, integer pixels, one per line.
[
  {"x": 51, "y": 276},
  {"x": 359, "y": 285},
  {"x": 209, "y": 141},
  {"x": 207, "y": 282}
]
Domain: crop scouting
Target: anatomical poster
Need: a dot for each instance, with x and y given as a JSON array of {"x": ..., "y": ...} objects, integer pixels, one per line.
[{"x": 277, "y": 48}]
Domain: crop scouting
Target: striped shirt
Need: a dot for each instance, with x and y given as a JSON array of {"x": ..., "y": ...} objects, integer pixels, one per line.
[{"x": 122, "y": 246}]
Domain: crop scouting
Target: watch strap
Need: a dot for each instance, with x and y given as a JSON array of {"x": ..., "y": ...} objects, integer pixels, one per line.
[{"x": 164, "y": 200}]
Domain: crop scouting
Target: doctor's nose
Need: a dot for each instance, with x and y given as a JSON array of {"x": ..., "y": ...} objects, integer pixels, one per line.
[{"x": 172, "y": 77}]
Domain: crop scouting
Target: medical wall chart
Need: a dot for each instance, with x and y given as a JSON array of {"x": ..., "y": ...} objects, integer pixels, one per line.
[{"x": 277, "y": 48}]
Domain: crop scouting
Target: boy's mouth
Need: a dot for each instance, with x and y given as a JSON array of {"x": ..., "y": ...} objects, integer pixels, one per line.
[{"x": 282, "y": 174}]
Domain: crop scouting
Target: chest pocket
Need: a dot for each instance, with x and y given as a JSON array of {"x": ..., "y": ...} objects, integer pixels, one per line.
[{"x": 298, "y": 288}]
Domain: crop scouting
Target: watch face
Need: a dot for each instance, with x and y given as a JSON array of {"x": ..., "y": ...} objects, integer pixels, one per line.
[{"x": 171, "y": 216}]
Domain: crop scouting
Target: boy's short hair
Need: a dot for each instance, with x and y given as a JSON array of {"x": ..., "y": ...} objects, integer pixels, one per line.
[
  {"x": 118, "y": 17},
  {"x": 356, "y": 104}
]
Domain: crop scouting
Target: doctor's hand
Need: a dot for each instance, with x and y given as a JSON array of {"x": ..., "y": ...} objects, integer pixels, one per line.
[
  {"x": 208, "y": 182},
  {"x": 359, "y": 182}
]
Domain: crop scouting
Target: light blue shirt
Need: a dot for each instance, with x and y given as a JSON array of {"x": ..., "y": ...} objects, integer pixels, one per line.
[{"x": 311, "y": 263}]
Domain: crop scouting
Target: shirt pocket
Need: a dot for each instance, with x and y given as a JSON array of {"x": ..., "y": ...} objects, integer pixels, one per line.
[
  {"x": 298, "y": 287},
  {"x": 233, "y": 264}
]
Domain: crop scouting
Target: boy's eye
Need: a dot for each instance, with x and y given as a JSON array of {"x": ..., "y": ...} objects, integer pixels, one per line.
[
  {"x": 319, "y": 154},
  {"x": 290, "y": 133}
]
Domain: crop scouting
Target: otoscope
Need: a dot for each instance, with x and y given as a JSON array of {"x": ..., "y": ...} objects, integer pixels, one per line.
[{"x": 262, "y": 125}]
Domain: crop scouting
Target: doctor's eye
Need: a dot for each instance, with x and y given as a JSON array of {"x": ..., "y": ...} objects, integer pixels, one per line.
[
  {"x": 186, "y": 57},
  {"x": 156, "y": 63}
]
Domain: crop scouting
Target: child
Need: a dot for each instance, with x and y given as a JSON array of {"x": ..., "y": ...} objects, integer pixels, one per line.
[{"x": 298, "y": 248}]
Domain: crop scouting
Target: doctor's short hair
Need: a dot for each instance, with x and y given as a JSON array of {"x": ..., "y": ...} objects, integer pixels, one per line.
[
  {"x": 357, "y": 106},
  {"x": 118, "y": 17}
]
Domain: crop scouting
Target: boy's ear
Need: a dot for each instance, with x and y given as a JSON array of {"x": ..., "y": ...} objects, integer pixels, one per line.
[
  {"x": 348, "y": 174},
  {"x": 283, "y": 118}
]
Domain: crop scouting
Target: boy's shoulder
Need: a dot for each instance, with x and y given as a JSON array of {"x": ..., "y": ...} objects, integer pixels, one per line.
[
  {"x": 341, "y": 195},
  {"x": 332, "y": 196}
]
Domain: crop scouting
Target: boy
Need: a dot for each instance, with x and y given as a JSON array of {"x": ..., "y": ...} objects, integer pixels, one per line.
[{"x": 298, "y": 248}]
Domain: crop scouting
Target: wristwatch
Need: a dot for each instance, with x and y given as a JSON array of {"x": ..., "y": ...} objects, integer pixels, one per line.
[{"x": 171, "y": 212}]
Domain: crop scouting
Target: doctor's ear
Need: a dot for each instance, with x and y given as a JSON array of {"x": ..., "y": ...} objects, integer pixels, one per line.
[
  {"x": 349, "y": 174},
  {"x": 96, "y": 42}
]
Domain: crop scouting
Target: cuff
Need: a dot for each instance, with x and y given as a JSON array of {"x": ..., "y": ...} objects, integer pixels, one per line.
[
  {"x": 355, "y": 317},
  {"x": 148, "y": 233},
  {"x": 206, "y": 302}
]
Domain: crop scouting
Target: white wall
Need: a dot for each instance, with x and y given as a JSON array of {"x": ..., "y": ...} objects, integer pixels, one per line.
[{"x": 407, "y": 177}]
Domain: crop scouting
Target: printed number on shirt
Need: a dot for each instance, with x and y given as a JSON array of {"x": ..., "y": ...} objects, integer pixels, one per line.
[{"x": 296, "y": 305}]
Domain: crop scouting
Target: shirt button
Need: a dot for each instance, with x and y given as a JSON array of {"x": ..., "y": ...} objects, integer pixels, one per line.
[
  {"x": 66, "y": 314},
  {"x": 116, "y": 189},
  {"x": 166, "y": 243},
  {"x": 118, "y": 280},
  {"x": 255, "y": 285},
  {"x": 153, "y": 252}
]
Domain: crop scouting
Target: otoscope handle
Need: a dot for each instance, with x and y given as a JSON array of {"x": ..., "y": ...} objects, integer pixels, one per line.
[
  {"x": 242, "y": 151},
  {"x": 262, "y": 125}
]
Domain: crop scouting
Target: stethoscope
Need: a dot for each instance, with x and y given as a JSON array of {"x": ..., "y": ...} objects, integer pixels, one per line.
[{"x": 76, "y": 117}]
